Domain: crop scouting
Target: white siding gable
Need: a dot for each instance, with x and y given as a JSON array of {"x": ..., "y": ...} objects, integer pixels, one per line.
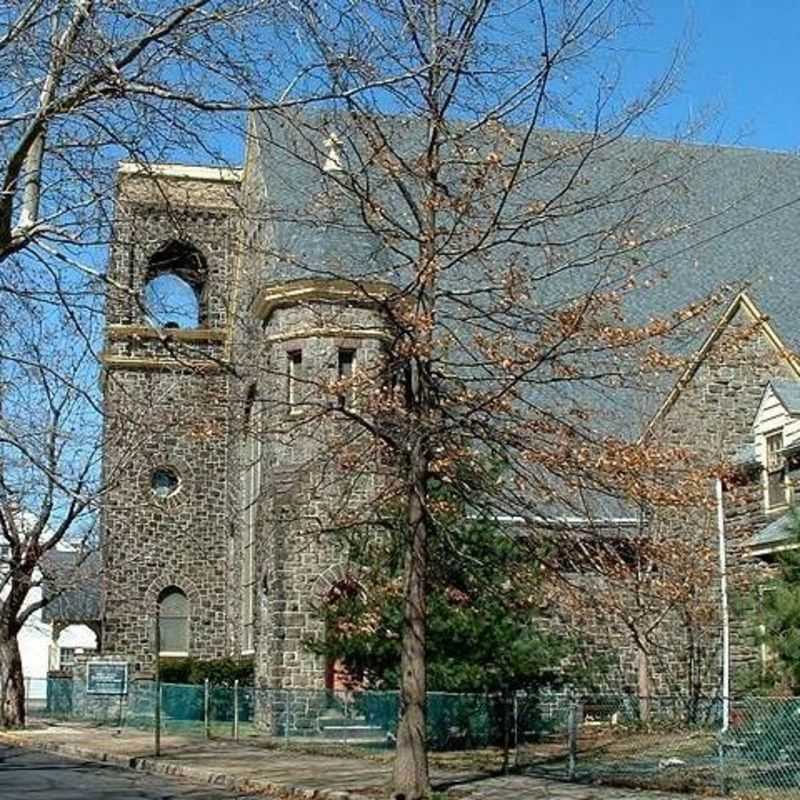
[
  {"x": 772, "y": 416},
  {"x": 778, "y": 416}
]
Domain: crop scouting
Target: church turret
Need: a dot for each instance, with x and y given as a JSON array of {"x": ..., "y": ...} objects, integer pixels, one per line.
[{"x": 316, "y": 333}]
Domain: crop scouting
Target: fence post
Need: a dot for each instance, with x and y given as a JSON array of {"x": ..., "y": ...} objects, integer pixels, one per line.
[
  {"x": 205, "y": 707},
  {"x": 346, "y": 715},
  {"x": 288, "y": 715},
  {"x": 723, "y": 783},
  {"x": 572, "y": 736},
  {"x": 121, "y": 697},
  {"x": 236, "y": 710},
  {"x": 157, "y": 715},
  {"x": 516, "y": 729}
]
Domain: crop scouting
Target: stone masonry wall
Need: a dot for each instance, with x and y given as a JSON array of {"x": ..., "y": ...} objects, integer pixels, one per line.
[
  {"x": 173, "y": 420},
  {"x": 301, "y": 483},
  {"x": 166, "y": 396},
  {"x": 714, "y": 416}
]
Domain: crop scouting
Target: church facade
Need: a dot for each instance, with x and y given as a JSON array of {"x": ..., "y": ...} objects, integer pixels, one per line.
[
  {"x": 186, "y": 541},
  {"x": 212, "y": 516}
]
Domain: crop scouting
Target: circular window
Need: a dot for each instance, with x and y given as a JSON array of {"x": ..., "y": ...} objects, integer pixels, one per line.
[{"x": 164, "y": 482}]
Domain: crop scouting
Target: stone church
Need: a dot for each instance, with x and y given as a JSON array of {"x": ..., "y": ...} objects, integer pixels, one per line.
[{"x": 211, "y": 514}]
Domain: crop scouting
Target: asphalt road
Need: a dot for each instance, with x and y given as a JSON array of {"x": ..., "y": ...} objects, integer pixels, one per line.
[{"x": 31, "y": 775}]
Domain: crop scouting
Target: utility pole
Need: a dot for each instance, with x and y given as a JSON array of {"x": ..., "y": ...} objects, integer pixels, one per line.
[{"x": 726, "y": 631}]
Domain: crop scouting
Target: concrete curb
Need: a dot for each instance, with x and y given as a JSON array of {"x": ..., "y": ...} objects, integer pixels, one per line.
[{"x": 154, "y": 766}]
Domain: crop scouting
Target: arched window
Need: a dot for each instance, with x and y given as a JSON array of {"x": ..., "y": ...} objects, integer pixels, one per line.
[
  {"x": 173, "y": 620},
  {"x": 174, "y": 293}
]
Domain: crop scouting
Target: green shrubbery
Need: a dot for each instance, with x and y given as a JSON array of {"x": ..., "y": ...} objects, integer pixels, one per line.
[
  {"x": 484, "y": 632},
  {"x": 775, "y": 605},
  {"x": 220, "y": 672}
]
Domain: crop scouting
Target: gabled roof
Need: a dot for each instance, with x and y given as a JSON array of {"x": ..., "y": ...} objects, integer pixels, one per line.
[
  {"x": 71, "y": 587},
  {"x": 785, "y": 391},
  {"x": 742, "y": 301},
  {"x": 788, "y": 392}
]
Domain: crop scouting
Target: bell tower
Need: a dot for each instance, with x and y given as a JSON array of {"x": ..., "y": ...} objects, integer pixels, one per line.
[{"x": 168, "y": 517}]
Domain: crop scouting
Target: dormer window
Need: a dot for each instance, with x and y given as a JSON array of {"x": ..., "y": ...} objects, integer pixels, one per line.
[
  {"x": 776, "y": 429},
  {"x": 775, "y": 472}
]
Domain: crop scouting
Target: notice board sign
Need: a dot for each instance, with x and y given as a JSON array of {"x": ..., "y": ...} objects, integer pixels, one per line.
[{"x": 107, "y": 677}]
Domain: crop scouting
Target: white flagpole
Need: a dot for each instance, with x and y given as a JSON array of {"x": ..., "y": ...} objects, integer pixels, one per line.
[{"x": 726, "y": 632}]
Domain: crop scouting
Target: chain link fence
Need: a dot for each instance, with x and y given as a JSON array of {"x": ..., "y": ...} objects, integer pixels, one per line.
[
  {"x": 665, "y": 743},
  {"x": 366, "y": 719}
]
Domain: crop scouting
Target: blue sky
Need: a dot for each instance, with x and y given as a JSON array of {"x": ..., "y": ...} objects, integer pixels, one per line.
[
  {"x": 740, "y": 71},
  {"x": 743, "y": 59}
]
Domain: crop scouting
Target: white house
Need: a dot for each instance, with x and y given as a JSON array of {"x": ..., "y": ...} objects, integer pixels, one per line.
[
  {"x": 48, "y": 641},
  {"x": 776, "y": 431}
]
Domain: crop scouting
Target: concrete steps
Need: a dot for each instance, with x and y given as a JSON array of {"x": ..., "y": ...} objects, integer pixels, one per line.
[{"x": 349, "y": 729}]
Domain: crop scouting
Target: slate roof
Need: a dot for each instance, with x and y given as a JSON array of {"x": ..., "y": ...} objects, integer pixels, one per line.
[
  {"x": 746, "y": 456},
  {"x": 788, "y": 392},
  {"x": 736, "y": 214},
  {"x": 778, "y": 531},
  {"x": 314, "y": 232},
  {"x": 739, "y": 210},
  {"x": 71, "y": 585}
]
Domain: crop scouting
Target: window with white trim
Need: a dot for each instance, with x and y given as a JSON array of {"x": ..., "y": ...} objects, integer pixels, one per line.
[
  {"x": 776, "y": 488},
  {"x": 66, "y": 657}
]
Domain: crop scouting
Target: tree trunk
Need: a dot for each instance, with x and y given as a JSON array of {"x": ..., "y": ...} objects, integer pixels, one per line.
[
  {"x": 410, "y": 779},
  {"x": 12, "y": 684},
  {"x": 645, "y": 689}
]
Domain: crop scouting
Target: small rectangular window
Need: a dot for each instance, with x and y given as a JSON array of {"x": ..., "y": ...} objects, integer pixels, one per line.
[
  {"x": 66, "y": 657},
  {"x": 776, "y": 471},
  {"x": 344, "y": 371},
  {"x": 293, "y": 378}
]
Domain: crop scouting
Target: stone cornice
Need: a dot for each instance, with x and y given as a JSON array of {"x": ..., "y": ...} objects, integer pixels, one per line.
[
  {"x": 328, "y": 333},
  {"x": 181, "y": 172},
  {"x": 330, "y": 290},
  {"x": 117, "y": 332},
  {"x": 112, "y": 362}
]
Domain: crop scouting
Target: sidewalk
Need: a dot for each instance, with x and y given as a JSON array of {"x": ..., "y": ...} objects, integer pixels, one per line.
[{"x": 291, "y": 772}]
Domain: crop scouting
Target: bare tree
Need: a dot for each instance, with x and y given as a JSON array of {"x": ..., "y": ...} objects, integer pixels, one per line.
[
  {"x": 507, "y": 260},
  {"x": 653, "y": 593},
  {"x": 83, "y": 83},
  {"x": 49, "y": 471},
  {"x": 87, "y": 81},
  {"x": 510, "y": 257}
]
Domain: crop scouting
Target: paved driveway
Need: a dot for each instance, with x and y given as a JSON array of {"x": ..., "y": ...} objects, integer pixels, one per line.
[{"x": 32, "y": 775}]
